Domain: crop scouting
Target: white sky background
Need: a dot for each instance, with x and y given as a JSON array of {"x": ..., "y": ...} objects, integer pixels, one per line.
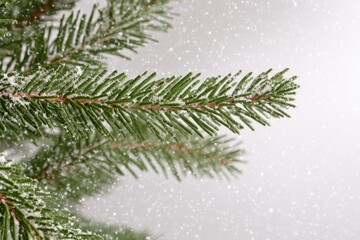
[{"x": 302, "y": 180}]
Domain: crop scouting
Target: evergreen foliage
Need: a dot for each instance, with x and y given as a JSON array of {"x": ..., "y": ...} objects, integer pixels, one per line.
[
  {"x": 33, "y": 12},
  {"x": 90, "y": 126},
  {"x": 88, "y": 165},
  {"x": 79, "y": 39},
  {"x": 85, "y": 100},
  {"x": 5, "y": 21},
  {"x": 23, "y": 211}
]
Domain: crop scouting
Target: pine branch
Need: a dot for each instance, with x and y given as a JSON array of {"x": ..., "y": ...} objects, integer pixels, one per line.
[
  {"x": 28, "y": 19},
  {"x": 83, "y": 101},
  {"x": 109, "y": 124},
  {"x": 29, "y": 12},
  {"x": 24, "y": 214},
  {"x": 117, "y": 29},
  {"x": 89, "y": 165}
]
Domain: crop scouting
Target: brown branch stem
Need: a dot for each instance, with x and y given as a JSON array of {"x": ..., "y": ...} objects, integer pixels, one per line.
[
  {"x": 36, "y": 14},
  {"x": 178, "y": 147},
  {"x": 66, "y": 99},
  {"x": 90, "y": 43}
]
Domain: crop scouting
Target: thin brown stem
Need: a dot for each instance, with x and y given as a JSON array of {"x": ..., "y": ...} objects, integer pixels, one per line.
[
  {"x": 91, "y": 43},
  {"x": 66, "y": 99},
  {"x": 151, "y": 4},
  {"x": 35, "y": 15},
  {"x": 86, "y": 45},
  {"x": 180, "y": 148}
]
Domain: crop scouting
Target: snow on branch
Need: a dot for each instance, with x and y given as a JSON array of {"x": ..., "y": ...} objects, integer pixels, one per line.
[{"x": 85, "y": 100}]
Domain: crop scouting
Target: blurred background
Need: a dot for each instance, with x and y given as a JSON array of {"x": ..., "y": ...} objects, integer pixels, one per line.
[{"x": 302, "y": 176}]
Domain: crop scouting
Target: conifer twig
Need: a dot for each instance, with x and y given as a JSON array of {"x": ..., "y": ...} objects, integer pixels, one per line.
[
  {"x": 23, "y": 211},
  {"x": 85, "y": 100},
  {"x": 92, "y": 164},
  {"x": 116, "y": 29}
]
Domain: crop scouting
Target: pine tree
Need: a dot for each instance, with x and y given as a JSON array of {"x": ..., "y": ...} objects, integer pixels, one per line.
[{"x": 90, "y": 125}]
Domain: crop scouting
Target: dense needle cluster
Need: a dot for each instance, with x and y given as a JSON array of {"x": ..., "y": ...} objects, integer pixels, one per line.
[{"x": 89, "y": 126}]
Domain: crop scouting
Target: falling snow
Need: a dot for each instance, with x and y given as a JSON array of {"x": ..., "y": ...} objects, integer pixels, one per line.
[{"x": 302, "y": 179}]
